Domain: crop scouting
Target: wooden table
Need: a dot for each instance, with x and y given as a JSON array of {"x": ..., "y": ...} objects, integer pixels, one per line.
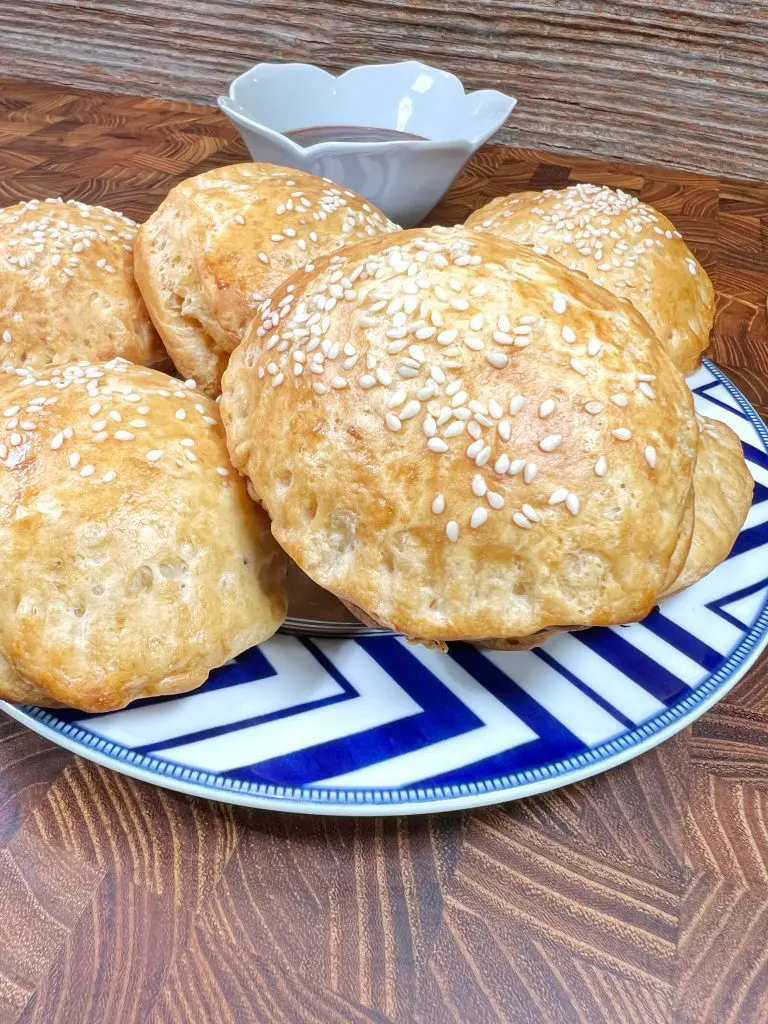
[{"x": 638, "y": 896}]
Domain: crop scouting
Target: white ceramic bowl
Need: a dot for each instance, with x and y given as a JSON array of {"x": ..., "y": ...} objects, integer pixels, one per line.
[{"x": 404, "y": 178}]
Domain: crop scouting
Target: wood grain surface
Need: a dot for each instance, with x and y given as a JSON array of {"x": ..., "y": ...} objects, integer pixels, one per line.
[
  {"x": 681, "y": 82},
  {"x": 638, "y": 897}
]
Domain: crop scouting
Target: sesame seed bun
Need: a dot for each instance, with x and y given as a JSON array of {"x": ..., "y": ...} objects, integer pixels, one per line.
[
  {"x": 622, "y": 244},
  {"x": 723, "y": 489},
  {"x": 133, "y": 560},
  {"x": 221, "y": 242},
  {"x": 464, "y": 440},
  {"x": 67, "y": 290}
]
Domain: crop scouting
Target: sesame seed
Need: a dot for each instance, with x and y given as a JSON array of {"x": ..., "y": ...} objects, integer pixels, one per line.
[
  {"x": 438, "y": 504},
  {"x": 622, "y": 433},
  {"x": 516, "y": 466},
  {"x": 109, "y": 477},
  {"x": 155, "y": 455},
  {"x": 572, "y": 503},
  {"x": 497, "y": 360},
  {"x": 568, "y": 334},
  {"x": 436, "y": 444},
  {"x": 601, "y": 466},
  {"x": 454, "y": 429},
  {"x": 593, "y": 408},
  {"x": 446, "y": 337},
  {"x": 650, "y": 455},
  {"x": 74, "y": 460},
  {"x": 530, "y": 513},
  {"x": 558, "y": 495},
  {"x": 646, "y": 389},
  {"x": 502, "y": 464},
  {"x": 452, "y": 530},
  {"x": 530, "y": 471},
  {"x": 620, "y": 400},
  {"x": 550, "y": 442},
  {"x": 478, "y": 486},
  {"x": 57, "y": 442},
  {"x": 520, "y": 520},
  {"x": 87, "y": 471},
  {"x": 559, "y": 303},
  {"x": 594, "y": 347},
  {"x": 392, "y": 421},
  {"x": 546, "y": 408},
  {"x": 494, "y": 499},
  {"x": 579, "y": 367},
  {"x": 483, "y": 455},
  {"x": 478, "y": 517},
  {"x": 7, "y": 336},
  {"x": 516, "y": 404}
]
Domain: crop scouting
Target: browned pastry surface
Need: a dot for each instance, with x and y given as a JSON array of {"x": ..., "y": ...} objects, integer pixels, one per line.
[
  {"x": 465, "y": 440},
  {"x": 133, "y": 560},
  {"x": 222, "y": 241},
  {"x": 621, "y": 243},
  {"x": 723, "y": 489},
  {"x": 67, "y": 289}
]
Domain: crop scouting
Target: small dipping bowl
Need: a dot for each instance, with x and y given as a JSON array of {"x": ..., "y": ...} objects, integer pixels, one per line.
[{"x": 398, "y": 134}]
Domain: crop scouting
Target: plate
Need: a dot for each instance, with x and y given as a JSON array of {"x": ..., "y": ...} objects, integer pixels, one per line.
[{"x": 369, "y": 724}]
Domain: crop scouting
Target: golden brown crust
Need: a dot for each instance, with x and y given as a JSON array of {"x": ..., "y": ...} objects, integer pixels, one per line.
[
  {"x": 723, "y": 489},
  {"x": 394, "y": 384},
  {"x": 222, "y": 241},
  {"x": 133, "y": 560},
  {"x": 67, "y": 290},
  {"x": 621, "y": 244}
]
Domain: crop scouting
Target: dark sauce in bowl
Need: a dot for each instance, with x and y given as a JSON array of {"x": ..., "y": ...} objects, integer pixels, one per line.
[{"x": 314, "y": 134}]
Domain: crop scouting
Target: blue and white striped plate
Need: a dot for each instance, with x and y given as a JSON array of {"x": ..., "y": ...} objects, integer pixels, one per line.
[{"x": 371, "y": 725}]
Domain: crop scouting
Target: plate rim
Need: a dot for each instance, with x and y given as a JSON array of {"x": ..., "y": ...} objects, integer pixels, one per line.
[{"x": 421, "y": 800}]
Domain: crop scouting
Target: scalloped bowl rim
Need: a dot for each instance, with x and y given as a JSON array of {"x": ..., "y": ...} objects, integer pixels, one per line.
[{"x": 230, "y": 105}]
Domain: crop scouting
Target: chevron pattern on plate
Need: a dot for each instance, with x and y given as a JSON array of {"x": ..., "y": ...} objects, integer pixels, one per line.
[{"x": 375, "y": 722}]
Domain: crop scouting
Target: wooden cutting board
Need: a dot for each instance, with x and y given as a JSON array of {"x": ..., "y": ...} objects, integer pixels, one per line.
[{"x": 640, "y": 895}]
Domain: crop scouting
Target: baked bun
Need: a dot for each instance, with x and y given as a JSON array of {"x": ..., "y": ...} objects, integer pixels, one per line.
[
  {"x": 133, "y": 560},
  {"x": 723, "y": 487},
  {"x": 464, "y": 440},
  {"x": 622, "y": 244},
  {"x": 221, "y": 242},
  {"x": 67, "y": 290}
]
